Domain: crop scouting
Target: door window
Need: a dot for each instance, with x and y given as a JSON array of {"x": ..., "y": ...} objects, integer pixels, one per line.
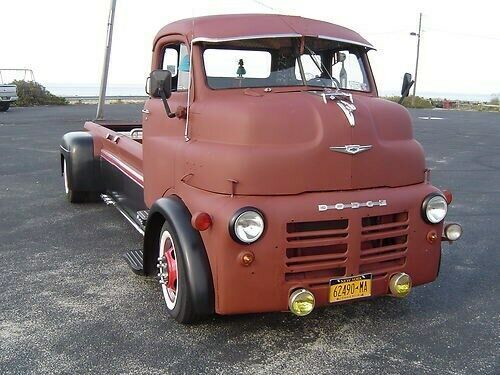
[{"x": 176, "y": 60}]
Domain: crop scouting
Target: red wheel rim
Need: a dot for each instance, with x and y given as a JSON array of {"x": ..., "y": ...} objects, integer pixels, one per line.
[
  {"x": 168, "y": 270},
  {"x": 169, "y": 254}
]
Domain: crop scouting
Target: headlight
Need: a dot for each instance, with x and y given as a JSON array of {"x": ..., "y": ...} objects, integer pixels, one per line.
[
  {"x": 434, "y": 208},
  {"x": 247, "y": 225}
]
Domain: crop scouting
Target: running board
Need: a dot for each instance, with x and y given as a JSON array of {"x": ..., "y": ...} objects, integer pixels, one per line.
[
  {"x": 134, "y": 261},
  {"x": 110, "y": 201}
]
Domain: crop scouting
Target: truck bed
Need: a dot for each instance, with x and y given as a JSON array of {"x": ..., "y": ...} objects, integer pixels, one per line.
[
  {"x": 129, "y": 129},
  {"x": 118, "y": 145}
]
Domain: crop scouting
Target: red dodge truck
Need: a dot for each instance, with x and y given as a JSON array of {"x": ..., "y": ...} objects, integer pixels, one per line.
[{"x": 266, "y": 175}]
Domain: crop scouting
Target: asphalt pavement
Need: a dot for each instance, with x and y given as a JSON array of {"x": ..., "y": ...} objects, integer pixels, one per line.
[{"x": 70, "y": 304}]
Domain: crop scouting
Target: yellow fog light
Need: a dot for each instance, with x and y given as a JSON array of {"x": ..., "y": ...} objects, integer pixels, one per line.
[
  {"x": 301, "y": 302},
  {"x": 400, "y": 284}
]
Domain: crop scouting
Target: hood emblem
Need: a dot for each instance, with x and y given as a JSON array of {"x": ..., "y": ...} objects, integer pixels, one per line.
[
  {"x": 351, "y": 149},
  {"x": 353, "y": 205}
]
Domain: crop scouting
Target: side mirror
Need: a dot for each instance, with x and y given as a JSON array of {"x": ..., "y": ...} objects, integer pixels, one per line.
[
  {"x": 160, "y": 81},
  {"x": 160, "y": 86},
  {"x": 405, "y": 89}
]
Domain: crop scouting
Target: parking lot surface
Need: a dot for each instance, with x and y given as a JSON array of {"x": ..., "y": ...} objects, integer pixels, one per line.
[{"x": 70, "y": 304}]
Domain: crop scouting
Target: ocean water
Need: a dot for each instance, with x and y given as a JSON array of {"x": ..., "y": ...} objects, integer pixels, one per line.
[
  {"x": 473, "y": 97},
  {"x": 93, "y": 90},
  {"x": 138, "y": 90}
]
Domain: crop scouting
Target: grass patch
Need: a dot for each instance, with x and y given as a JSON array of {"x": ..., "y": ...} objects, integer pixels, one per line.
[{"x": 419, "y": 102}]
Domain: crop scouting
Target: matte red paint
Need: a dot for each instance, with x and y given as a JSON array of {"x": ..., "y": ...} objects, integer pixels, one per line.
[{"x": 271, "y": 151}]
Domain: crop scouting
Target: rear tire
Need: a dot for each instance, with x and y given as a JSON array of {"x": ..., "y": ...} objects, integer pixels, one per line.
[
  {"x": 72, "y": 196},
  {"x": 174, "y": 279},
  {"x": 4, "y": 106}
]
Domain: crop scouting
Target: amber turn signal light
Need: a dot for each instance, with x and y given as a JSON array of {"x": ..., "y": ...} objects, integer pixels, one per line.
[
  {"x": 247, "y": 258},
  {"x": 432, "y": 236}
]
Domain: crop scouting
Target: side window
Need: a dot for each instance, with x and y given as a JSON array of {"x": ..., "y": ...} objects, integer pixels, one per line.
[
  {"x": 170, "y": 59},
  {"x": 176, "y": 60},
  {"x": 347, "y": 68},
  {"x": 183, "y": 69}
]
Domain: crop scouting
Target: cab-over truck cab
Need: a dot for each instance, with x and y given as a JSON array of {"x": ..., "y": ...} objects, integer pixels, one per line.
[{"x": 266, "y": 175}]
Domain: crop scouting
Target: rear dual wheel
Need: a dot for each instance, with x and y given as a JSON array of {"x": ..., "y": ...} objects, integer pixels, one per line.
[{"x": 71, "y": 195}]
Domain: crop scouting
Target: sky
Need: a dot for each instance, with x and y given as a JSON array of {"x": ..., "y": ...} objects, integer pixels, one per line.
[{"x": 63, "y": 40}]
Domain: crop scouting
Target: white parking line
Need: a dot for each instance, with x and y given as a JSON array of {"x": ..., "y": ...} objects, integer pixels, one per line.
[{"x": 431, "y": 118}]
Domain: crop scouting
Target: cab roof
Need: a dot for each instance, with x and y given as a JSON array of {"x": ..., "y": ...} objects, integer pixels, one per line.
[{"x": 250, "y": 26}]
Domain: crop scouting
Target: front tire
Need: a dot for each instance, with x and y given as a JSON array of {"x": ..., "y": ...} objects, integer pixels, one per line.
[
  {"x": 174, "y": 279},
  {"x": 4, "y": 106}
]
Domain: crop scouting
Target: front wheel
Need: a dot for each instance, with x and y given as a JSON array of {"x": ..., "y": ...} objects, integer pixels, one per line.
[
  {"x": 4, "y": 106},
  {"x": 173, "y": 277}
]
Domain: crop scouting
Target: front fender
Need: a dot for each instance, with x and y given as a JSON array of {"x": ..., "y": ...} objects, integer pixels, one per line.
[{"x": 198, "y": 271}]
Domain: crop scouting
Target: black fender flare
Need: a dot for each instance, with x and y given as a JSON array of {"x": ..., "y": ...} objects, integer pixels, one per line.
[
  {"x": 83, "y": 169},
  {"x": 173, "y": 210}
]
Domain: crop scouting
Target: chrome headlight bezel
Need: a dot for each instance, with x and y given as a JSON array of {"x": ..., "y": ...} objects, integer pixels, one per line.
[
  {"x": 239, "y": 215},
  {"x": 428, "y": 202}
]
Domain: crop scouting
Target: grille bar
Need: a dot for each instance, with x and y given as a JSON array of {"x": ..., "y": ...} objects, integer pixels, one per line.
[
  {"x": 314, "y": 242},
  {"x": 315, "y": 266},
  {"x": 382, "y": 257},
  {"x": 378, "y": 250},
  {"x": 382, "y": 235},
  {"x": 384, "y": 227}
]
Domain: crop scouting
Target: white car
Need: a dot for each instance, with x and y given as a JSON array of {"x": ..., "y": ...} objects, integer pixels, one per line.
[{"x": 8, "y": 95}]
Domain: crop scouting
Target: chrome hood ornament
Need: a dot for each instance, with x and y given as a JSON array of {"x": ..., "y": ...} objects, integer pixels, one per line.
[
  {"x": 351, "y": 149},
  {"x": 344, "y": 101}
]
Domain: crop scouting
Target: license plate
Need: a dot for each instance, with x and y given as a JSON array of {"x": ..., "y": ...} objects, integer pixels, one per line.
[{"x": 353, "y": 287}]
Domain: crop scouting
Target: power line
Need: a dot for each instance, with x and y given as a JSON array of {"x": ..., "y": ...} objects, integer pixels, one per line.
[{"x": 265, "y": 5}]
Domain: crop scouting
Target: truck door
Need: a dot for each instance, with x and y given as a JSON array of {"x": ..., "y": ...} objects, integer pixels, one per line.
[{"x": 162, "y": 135}]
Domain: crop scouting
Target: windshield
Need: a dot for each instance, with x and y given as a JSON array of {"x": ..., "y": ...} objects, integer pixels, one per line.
[{"x": 275, "y": 62}]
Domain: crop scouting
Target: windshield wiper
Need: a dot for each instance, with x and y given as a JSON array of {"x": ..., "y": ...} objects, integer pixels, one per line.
[{"x": 322, "y": 67}]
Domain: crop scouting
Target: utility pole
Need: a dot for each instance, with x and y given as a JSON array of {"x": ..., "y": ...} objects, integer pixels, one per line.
[
  {"x": 418, "y": 35},
  {"x": 107, "y": 55}
]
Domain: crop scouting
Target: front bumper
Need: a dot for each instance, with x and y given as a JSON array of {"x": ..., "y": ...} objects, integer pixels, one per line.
[
  {"x": 8, "y": 98},
  {"x": 305, "y": 247}
]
